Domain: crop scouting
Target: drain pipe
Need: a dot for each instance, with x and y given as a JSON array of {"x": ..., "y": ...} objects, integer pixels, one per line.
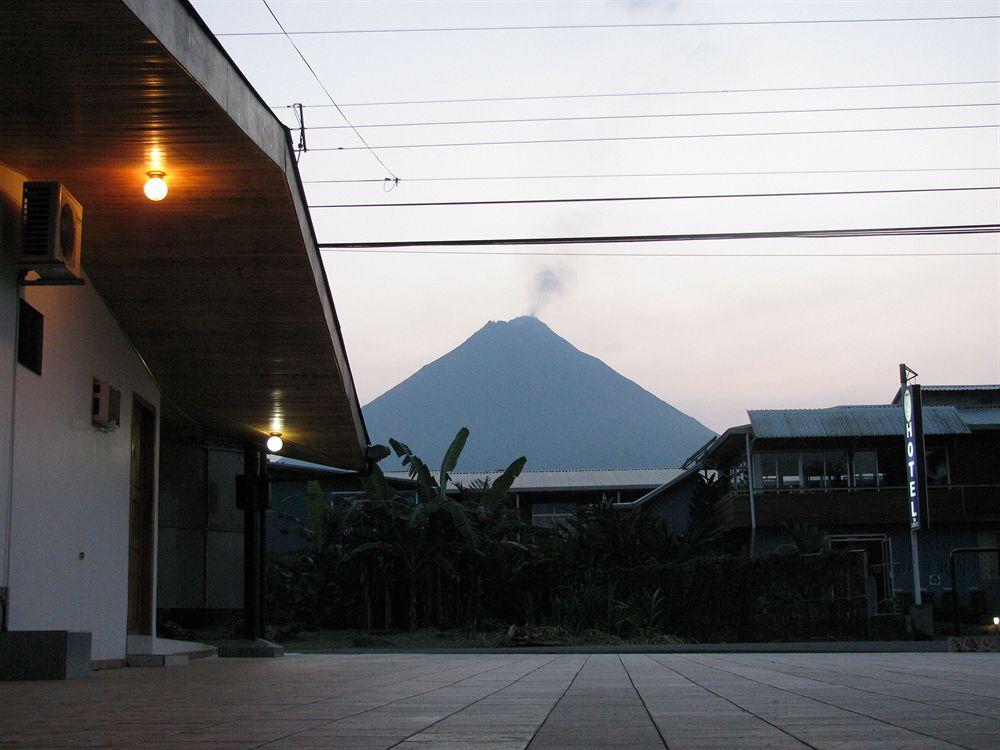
[{"x": 753, "y": 509}]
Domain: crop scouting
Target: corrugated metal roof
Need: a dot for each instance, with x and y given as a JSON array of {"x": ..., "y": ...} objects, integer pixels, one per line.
[
  {"x": 576, "y": 479},
  {"x": 848, "y": 421},
  {"x": 980, "y": 416},
  {"x": 655, "y": 493},
  {"x": 988, "y": 387}
]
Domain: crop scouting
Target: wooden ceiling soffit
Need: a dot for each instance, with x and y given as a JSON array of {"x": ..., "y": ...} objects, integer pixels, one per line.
[{"x": 220, "y": 286}]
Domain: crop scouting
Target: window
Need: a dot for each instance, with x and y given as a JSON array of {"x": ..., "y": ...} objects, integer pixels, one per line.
[
  {"x": 781, "y": 471},
  {"x": 792, "y": 471},
  {"x": 765, "y": 473},
  {"x": 551, "y": 514},
  {"x": 824, "y": 469},
  {"x": 989, "y": 565},
  {"x": 789, "y": 471},
  {"x": 866, "y": 472},
  {"x": 30, "y": 329},
  {"x": 936, "y": 466}
]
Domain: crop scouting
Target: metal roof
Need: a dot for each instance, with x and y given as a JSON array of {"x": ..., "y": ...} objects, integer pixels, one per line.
[
  {"x": 849, "y": 421},
  {"x": 988, "y": 387},
  {"x": 980, "y": 416},
  {"x": 655, "y": 493},
  {"x": 950, "y": 389},
  {"x": 575, "y": 479}
]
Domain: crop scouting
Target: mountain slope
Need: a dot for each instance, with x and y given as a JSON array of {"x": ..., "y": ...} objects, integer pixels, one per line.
[{"x": 523, "y": 390}]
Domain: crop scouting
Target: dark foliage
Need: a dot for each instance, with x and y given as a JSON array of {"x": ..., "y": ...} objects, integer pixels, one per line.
[{"x": 463, "y": 558}]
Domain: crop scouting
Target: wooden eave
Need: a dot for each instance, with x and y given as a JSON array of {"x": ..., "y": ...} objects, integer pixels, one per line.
[{"x": 220, "y": 287}]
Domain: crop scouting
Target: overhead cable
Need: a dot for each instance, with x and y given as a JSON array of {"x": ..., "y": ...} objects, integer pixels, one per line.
[
  {"x": 648, "y": 116},
  {"x": 680, "y": 24},
  {"x": 633, "y": 175},
  {"x": 625, "y": 199},
  {"x": 696, "y": 237},
  {"x": 326, "y": 91},
  {"x": 618, "y": 94},
  {"x": 606, "y": 139},
  {"x": 535, "y": 253}
]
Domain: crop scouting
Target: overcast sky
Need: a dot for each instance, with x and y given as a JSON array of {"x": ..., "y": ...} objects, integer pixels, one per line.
[{"x": 713, "y": 336}]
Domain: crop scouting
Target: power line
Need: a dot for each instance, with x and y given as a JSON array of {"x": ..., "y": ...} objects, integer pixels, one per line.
[
  {"x": 697, "y": 237},
  {"x": 650, "y": 116},
  {"x": 327, "y": 91},
  {"x": 684, "y": 24},
  {"x": 655, "y": 174},
  {"x": 533, "y": 254},
  {"x": 624, "y": 199},
  {"x": 606, "y": 139},
  {"x": 650, "y": 93}
]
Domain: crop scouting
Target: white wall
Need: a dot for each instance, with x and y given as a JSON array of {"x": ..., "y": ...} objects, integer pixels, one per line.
[
  {"x": 71, "y": 482},
  {"x": 10, "y": 183}
]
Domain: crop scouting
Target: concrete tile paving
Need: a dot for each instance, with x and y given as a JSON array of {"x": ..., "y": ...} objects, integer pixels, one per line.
[{"x": 688, "y": 701}]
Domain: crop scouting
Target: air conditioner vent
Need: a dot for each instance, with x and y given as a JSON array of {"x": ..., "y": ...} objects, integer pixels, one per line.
[
  {"x": 36, "y": 218},
  {"x": 51, "y": 229}
]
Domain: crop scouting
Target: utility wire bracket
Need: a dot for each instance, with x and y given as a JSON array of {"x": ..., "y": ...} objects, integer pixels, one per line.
[{"x": 300, "y": 117}]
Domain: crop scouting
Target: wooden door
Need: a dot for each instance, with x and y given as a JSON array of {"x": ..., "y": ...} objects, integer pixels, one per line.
[{"x": 141, "y": 516}]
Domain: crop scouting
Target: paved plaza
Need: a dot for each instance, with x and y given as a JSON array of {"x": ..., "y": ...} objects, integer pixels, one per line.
[{"x": 514, "y": 701}]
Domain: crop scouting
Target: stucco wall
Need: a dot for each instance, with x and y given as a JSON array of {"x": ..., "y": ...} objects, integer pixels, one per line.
[
  {"x": 69, "y": 511},
  {"x": 10, "y": 183}
]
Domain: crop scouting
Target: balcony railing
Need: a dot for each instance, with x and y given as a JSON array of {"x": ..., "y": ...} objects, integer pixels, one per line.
[{"x": 859, "y": 506}]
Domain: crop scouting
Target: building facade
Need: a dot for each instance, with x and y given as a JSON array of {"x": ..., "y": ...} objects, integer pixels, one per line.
[
  {"x": 170, "y": 294},
  {"x": 842, "y": 470}
]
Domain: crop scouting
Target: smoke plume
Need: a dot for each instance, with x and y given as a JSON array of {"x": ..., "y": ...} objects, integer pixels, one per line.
[{"x": 548, "y": 283}]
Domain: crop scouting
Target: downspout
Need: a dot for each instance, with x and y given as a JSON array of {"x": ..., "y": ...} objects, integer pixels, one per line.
[{"x": 753, "y": 509}]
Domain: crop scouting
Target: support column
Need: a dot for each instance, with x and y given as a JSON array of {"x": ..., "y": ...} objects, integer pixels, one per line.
[
  {"x": 252, "y": 497},
  {"x": 248, "y": 491}
]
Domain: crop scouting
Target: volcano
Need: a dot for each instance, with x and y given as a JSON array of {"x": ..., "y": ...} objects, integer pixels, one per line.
[{"x": 522, "y": 389}]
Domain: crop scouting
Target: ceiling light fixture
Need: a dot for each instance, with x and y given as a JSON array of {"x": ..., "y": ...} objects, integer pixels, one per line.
[
  {"x": 155, "y": 187},
  {"x": 274, "y": 442}
]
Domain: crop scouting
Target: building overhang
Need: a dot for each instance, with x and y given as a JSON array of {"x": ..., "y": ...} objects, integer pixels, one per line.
[{"x": 220, "y": 286}]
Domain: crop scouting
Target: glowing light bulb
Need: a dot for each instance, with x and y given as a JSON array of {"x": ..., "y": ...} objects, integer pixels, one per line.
[
  {"x": 155, "y": 187},
  {"x": 996, "y": 621},
  {"x": 275, "y": 443}
]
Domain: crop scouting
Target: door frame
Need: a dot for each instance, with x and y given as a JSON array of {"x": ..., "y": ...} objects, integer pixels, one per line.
[{"x": 142, "y": 437}]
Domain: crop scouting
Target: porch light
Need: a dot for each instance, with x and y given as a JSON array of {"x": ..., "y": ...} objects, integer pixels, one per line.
[
  {"x": 996, "y": 622},
  {"x": 274, "y": 442},
  {"x": 155, "y": 187}
]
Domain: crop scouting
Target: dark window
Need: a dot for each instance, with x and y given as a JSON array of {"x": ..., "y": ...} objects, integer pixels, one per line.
[
  {"x": 789, "y": 472},
  {"x": 30, "y": 325},
  {"x": 866, "y": 472},
  {"x": 936, "y": 465}
]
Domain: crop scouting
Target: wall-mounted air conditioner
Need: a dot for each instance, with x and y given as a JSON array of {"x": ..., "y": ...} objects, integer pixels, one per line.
[
  {"x": 106, "y": 410},
  {"x": 51, "y": 229}
]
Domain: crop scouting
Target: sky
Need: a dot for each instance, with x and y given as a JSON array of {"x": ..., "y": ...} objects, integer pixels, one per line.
[{"x": 713, "y": 336}]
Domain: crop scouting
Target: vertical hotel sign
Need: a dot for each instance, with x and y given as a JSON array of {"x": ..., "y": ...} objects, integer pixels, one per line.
[{"x": 914, "y": 434}]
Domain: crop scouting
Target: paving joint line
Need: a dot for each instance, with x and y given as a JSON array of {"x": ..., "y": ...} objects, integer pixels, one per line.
[
  {"x": 734, "y": 703},
  {"x": 875, "y": 692},
  {"x": 834, "y": 705},
  {"x": 478, "y": 700},
  {"x": 562, "y": 695},
  {"x": 643, "y": 701},
  {"x": 392, "y": 702}
]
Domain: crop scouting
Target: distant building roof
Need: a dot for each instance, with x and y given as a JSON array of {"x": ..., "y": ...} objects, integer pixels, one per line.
[
  {"x": 849, "y": 421},
  {"x": 980, "y": 416},
  {"x": 573, "y": 479},
  {"x": 681, "y": 475},
  {"x": 984, "y": 388}
]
